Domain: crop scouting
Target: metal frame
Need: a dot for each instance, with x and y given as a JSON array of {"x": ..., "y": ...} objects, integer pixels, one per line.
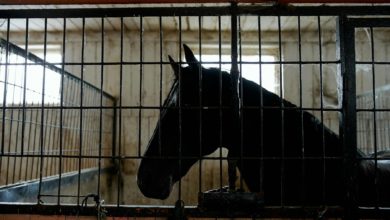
[
  {"x": 274, "y": 10},
  {"x": 348, "y": 126},
  {"x": 350, "y": 115},
  {"x": 184, "y": 1}
]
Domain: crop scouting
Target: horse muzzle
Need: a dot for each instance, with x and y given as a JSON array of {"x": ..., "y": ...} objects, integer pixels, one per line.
[{"x": 153, "y": 186}]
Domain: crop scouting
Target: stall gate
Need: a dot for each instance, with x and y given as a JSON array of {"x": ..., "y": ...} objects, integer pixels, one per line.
[
  {"x": 75, "y": 128},
  {"x": 373, "y": 128}
]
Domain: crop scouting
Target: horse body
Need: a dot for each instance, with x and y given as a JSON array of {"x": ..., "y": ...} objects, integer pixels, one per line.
[
  {"x": 301, "y": 158},
  {"x": 283, "y": 151}
]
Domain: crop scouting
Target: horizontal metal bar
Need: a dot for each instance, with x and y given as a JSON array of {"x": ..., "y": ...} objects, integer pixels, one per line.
[
  {"x": 164, "y": 211},
  {"x": 64, "y": 2},
  {"x": 323, "y": 10},
  {"x": 332, "y": 1},
  {"x": 190, "y": 211},
  {"x": 182, "y": 63},
  {"x": 373, "y": 62},
  {"x": 46, "y": 155},
  {"x": 114, "y": 12},
  {"x": 369, "y": 22},
  {"x": 138, "y": 107},
  {"x": 275, "y": 10},
  {"x": 373, "y": 110}
]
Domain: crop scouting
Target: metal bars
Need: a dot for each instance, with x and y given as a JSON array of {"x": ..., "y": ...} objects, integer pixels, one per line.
[
  {"x": 372, "y": 105},
  {"x": 50, "y": 121},
  {"x": 349, "y": 120},
  {"x": 123, "y": 52},
  {"x": 369, "y": 133}
]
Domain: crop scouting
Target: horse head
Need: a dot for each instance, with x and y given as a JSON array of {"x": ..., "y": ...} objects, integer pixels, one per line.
[{"x": 187, "y": 128}]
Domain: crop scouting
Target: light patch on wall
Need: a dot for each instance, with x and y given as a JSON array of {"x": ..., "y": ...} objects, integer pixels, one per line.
[
  {"x": 250, "y": 67},
  {"x": 24, "y": 79}
]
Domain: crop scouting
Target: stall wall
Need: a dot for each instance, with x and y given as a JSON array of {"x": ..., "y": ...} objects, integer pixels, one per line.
[{"x": 136, "y": 126}]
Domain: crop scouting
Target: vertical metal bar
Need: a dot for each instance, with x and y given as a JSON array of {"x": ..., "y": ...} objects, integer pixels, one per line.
[
  {"x": 73, "y": 90},
  {"x": 93, "y": 128},
  {"x": 235, "y": 102},
  {"x": 28, "y": 152},
  {"x": 303, "y": 167},
  {"x": 374, "y": 96},
  {"x": 114, "y": 153},
  {"x": 35, "y": 145},
  {"x": 200, "y": 101},
  {"x": 24, "y": 87},
  {"x": 89, "y": 128},
  {"x": 346, "y": 54},
  {"x": 20, "y": 124},
  {"x": 220, "y": 106},
  {"x": 241, "y": 101},
  {"x": 47, "y": 140},
  {"x": 160, "y": 97},
  {"x": 161, "y": 110},
  {"x": 160, "y": 85},
  {"x": 41, "y": 136},
  {"x": 81, "y": 111},
  {"x": 281, "y": 107},
  {"x": 24, "y": 122},
  {"x": 55, "y": 135},
  {"x": 65, "y": 121},
  {"x": 180, "y": 107},
  {"x": 114, "y": 115},
  {"x": 61, "y": 133},
  {"x": 118, "y": 201},
  {"x": 261, "y": 107},
  {"x": 101, "y": 109},
  {"x": 16, "y": 119},
  {"x": 4, "y": 107},
  {"x": 11, "y": 147},
  {"x": 141, "y": 69},
  {"x": 322, "y": 111},
  {"x": 3, "y": 112},
  {"x": 86, "y": 128},
  {"x": 29, "y": 143}
]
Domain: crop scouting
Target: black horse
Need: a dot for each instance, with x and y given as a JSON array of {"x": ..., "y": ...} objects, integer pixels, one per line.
[{"x": 285, "y": 152}]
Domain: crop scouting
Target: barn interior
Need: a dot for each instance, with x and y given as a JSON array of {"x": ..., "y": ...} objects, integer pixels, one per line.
[{"x": 81, "y": 96}]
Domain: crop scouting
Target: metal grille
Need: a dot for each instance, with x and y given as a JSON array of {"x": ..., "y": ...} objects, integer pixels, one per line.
[
  {"x": 373, "y": 137},
  {"x": 42, "y": 139},
  {"x": 86, "y": 137}
]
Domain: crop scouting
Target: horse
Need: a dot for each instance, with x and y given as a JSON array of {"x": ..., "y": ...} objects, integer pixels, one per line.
[{"x": 283, "y": 151}]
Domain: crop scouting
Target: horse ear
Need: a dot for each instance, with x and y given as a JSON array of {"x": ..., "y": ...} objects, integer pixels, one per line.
[
  {"x": 190, "y": 58},
  {"x": 175, "y": 66}
]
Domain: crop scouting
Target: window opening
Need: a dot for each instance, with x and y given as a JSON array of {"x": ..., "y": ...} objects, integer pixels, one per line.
[{"x": 12, "y": 74}]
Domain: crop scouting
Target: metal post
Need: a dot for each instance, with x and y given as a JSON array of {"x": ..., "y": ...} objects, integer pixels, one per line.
[
  {"x": 346, "y": 54},
  {"x": 232, "y": 162}
]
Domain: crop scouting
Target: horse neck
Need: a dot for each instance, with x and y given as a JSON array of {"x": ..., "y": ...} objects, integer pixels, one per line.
[{"x": 217, "y": 92}]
